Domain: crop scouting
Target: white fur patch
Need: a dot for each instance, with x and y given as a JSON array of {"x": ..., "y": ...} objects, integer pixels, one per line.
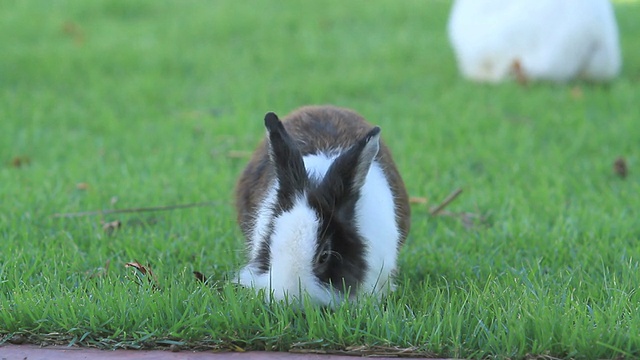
[
  {"x": 318, "y": 164},
  {"x": 292, "y": 253},
  {"x": 263, "y": 219},
  {"x": 376, "y": 221}
]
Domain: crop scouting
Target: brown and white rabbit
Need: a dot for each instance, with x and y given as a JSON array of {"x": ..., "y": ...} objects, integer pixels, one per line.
[{"x": 322, "y": 207}]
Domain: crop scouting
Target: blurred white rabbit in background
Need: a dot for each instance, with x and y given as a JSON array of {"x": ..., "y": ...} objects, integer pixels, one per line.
[{"x": 557, "y": 40}]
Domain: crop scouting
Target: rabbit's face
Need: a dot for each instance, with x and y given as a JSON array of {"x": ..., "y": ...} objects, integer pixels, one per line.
[
  {"x": 290, "y": 256},
  {"x": 308, "y": 253}
]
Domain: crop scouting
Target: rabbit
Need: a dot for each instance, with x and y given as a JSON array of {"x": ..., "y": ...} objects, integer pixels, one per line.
[
  {"x": 323, "y": 208},
  {"x": 553, "y": 40}
]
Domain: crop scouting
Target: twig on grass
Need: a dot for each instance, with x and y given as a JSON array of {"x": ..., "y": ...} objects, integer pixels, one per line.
[
  {"x": 436, "y": 210},
  {"x": 469, "y": 219},
  {"x": 133, "y": 210}
]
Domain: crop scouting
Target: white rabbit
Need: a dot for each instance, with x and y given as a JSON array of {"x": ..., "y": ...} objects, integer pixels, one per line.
[
  {"x": 557, "y": 40},
  {"x": 322, "y": 207}
]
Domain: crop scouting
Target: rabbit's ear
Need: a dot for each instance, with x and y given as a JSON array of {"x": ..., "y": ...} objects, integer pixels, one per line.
[
  {"x": 287, "y": 160},
  {"x": 347, "y": 174}
]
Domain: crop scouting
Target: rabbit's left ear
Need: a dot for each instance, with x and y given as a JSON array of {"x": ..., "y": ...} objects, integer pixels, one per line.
[
  {"x": 287, "y": 160},
  {"x": 347, "y": 174}
]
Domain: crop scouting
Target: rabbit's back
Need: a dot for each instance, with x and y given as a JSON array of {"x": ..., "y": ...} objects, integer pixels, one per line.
[{"x": 325, "y": 129}]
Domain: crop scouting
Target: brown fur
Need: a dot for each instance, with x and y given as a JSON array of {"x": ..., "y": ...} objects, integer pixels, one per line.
[{"x": 316, "y": 129}]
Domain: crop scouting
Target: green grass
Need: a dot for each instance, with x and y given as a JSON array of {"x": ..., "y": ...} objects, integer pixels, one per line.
[{"x": 141, "y": 103}]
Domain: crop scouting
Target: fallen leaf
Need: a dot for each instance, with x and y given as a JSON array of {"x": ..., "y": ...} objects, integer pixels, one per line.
[
  {"x": 82, "y": 186},
  {"x": 620, "y": 167},
  {"x": 143, "y": 271},
  {"x": 20, "y": 161},
  {"x": 136, "y": 265},
  {"x": 200, "y": 276},
  {"x": 111, "y": 226}
]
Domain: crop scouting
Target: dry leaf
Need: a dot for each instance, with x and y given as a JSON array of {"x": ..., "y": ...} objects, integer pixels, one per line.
[
  {"x": 620, "y": 167},
  {"x": 20, "y": 161},
  {"x": 200, "y": 276},
  {"x": 82, "y": 186},
  {"x": 143, "y": 271},
  {"x": 111, "y": 226},
  {"x": 136, "y": 265}
]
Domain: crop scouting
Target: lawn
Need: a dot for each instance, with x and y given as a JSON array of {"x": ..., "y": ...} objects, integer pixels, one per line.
[{"x": 117, "y": 104}]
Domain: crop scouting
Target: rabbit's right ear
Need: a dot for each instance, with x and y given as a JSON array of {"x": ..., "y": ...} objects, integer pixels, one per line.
[
  {"x": 287, "y": 161},
  {"x": 347, "y": 174}
]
